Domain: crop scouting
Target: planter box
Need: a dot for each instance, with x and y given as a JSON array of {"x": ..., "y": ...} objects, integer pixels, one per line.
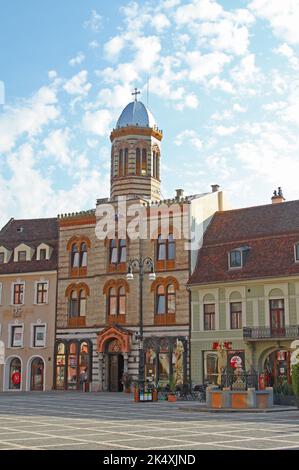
[{"x": 171, "y": 398}]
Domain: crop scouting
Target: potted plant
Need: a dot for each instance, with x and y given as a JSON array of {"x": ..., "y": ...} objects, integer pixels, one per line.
[
  {"x": 295, "y": 381},
  {"x": 127, "y": 381},
  {"x": 171, "y": 394}
]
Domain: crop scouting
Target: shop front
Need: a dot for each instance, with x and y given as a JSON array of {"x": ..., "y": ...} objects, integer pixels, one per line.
[{"x": 72, "y": 364}]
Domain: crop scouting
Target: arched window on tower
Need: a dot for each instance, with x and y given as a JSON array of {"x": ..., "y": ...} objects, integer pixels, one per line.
[
  {"x": 144, "y": 162},
  {"x": 126, "y": 163},
  {"x": 120, "y": 163},
  {"x": 157, "y": 167},
  {"x": 138, "y": 161},
  {"x": 154, "y": 165},
  {"x": 83, "y": 255}
]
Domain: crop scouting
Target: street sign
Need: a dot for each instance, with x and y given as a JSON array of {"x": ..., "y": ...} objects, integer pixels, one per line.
[{"x": 2, "y": 353}]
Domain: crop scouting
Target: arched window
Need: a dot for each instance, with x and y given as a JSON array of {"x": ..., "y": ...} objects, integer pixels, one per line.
[
  {"x": 122, "y": 251},
  {"x": 121, "y": 301},
  {"x": 15, "y": 374},
  {"x": 113, "y": 258},
  {"x": 73, "y": 364},
  {"x": 157, "y": 167},
  {"x": 73, "y": 312},
  {"x": 171, "y": 247},
  {"x": 161, "y": 251},
  {"x": 170, "y": 306},
  {"x": 117, "y": 301},
  {"x": 126, "y": 163},
  {"x": 82, "y": 303},
  {"x": 83, "y": 255},
  {"x": 165, "y": 248},
  {"x": 161, "y": 301},
  {"x": 144, "y": 162},
  {"x": 154, "y": 165},
  {"x": 120, "y": 163},
  {"x": 138, "y": 161},
  {"x": 75, "y": 256},
  {"x": 117, "y": 251},
  {"x": 112, "y": 302}
]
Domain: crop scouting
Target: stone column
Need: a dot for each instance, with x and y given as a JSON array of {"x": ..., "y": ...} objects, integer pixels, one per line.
[
  {"x": 101, "y": 372},
  {"x": 126, "y": 362}
]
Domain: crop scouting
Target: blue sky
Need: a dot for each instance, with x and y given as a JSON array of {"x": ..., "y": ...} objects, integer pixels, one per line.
[{"x": 223, "y": 86}]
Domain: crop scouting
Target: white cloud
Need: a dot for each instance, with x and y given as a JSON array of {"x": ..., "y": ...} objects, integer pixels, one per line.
[
  {"x": 283, "y": 17},
  {"x": 77, "y": 60},
  {"x": 160, "y": 22},
  {"x": 202, "y": 66},
  {"x": 28, "y": 118},
  {"x": 225, "y": 131},
  {"x": 246, "y": 72},
  {"x": 198, "y": 10},
  {"x": 97, "y": 122},
  {"x": 94, "y": 22},
  {"x": 56, "y": 144},
  {"x": 114, "y": 46},
  {"x": 287, "y": 51},
  {"x": 78, "y": 84},
  {"x": 239, "y": 109},
  {"x": 189, "y": 137}
]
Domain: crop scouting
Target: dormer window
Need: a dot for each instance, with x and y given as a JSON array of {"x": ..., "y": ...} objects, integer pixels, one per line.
[
  {"x": 2, "y": 256},
  {"x": 43, "y": 252},
  {"x": 5, "y": 255},
  {"x": 21, "y": 256},
  {"x": 237, "y": 257},
  {"x": 296, "y": 249}
]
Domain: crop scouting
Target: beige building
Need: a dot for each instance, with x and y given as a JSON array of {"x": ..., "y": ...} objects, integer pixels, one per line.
[
  {"x": 28, "y": 280},
  {"x": 98, "y": 313}
]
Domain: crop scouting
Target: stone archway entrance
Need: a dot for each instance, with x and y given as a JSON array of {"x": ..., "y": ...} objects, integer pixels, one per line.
[{"x": 114, "y": 346}]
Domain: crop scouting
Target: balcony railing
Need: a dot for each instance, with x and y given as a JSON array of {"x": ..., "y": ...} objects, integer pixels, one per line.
[{"x": 266, "y": 332}]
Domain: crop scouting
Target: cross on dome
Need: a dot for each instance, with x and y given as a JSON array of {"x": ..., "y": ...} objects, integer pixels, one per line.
[{"x": 135, "y": 93}]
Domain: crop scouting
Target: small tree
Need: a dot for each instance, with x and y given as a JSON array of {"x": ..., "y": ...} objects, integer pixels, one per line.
[{"x": 295, "y": 379}]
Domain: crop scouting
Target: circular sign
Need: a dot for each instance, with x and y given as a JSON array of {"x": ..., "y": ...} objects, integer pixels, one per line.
[
  {"x": 235, "y": 362},
  {"x": 16, "y": 378}
]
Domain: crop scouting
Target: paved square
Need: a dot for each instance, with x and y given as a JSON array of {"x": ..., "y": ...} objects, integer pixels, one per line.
[{"x": 91, "y": 421}]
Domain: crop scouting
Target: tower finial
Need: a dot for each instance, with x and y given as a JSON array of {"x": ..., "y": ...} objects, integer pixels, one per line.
[{"x": 135, "y": 93}]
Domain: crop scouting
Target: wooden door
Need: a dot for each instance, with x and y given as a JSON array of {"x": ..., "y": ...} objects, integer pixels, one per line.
[
  {"x": 37, "y": 375},
  {"x": 113, "y": 373}
]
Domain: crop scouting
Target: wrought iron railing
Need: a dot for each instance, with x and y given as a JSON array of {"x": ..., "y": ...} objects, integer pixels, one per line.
[
  {"x": 239, "y": 381},
  {"x": 264, "y": 332}
]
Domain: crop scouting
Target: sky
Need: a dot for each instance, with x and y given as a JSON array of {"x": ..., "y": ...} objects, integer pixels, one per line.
[{"x": 222, "y": 80}]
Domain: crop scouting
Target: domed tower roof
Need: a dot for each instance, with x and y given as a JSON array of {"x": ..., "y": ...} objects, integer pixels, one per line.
[{"x": 136, "y": 114}]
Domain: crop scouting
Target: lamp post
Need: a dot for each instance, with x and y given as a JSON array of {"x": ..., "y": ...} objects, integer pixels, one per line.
[{"x": 141, "y": 264}]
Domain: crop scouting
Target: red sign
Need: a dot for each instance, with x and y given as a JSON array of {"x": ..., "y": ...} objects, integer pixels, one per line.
[
  {"x": 222, "y": 345},
  {"x": 16, "y": 378}
]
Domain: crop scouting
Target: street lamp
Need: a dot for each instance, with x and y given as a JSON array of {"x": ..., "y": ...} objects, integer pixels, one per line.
[{"x": 142, "y": 265}]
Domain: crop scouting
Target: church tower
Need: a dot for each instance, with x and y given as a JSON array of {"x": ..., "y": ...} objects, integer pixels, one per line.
[{"x": 135, "y": 153}]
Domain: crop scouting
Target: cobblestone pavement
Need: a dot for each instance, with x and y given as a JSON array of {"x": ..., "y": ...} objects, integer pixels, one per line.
[{"x": 73, "y": 420}]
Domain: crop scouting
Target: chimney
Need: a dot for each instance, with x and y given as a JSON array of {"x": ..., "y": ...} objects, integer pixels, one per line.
[
  {"x": 277, "y": 197},
  {"x": 179, "y": 193},
  {"x": 215, "y": 188}
]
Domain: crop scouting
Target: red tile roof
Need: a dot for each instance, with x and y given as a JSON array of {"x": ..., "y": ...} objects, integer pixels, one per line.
[
  {"x": 269, "y": 231},
  {"x": 31, "y": 232}
]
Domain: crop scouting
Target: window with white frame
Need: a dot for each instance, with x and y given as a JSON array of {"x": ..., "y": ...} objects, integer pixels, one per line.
[
  {"x": 237, "y": 257},
  {"x": 41, "y": 295},
  {"x": 18, "y": 293},
  {"x": 2, "y": 257},
  {"x": 39, "y": 336},
  {"x": 16, "y": 336}
]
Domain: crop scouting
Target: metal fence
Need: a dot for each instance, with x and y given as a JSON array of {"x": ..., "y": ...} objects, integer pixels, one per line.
[{"x": 241, "y": 381}]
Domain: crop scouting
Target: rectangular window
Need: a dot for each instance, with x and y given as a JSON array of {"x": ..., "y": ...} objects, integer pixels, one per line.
[
  {"x": 0, "y": 298},
  {"x": 296, "y": 252},
  {"x": 209, "y": 316},
  {"x": 18, "y": 294},
  {"x": 41, "y": 292},
  {"x": 42, "y": 254},
  {"x": 235, "y": 259},
  {"x": 277, "y": 317},
  {"x": 1, "y": 258},
  {"x": 39, "y": 336},
  {"x": 236, "y": 315},
  {"x": 16, "y": 336},
  {"x": 22, "y": 256}
]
